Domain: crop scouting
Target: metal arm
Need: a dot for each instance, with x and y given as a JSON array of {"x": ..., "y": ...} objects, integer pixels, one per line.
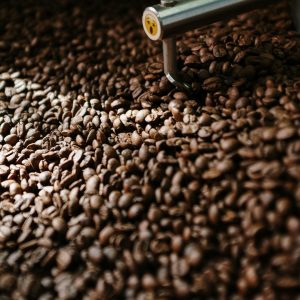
[
  {"x": 170, "y": 64},
  {"x": 172, "y": 17},
  {"x": 296, "y": 13}
]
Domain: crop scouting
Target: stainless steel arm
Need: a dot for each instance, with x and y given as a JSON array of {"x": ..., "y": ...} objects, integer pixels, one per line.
[
  {"x": 170, "y": 18},
  {"x": 170, "y": 64},
  {"x": 189, "y": 14},
  {"x": 296, "y": 13}
]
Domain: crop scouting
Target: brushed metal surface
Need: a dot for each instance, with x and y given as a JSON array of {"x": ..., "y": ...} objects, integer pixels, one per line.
[{"x": 189, "y": 14}]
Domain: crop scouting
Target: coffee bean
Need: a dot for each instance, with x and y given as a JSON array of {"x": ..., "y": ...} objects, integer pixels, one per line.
[
  {"x": 95, "y": 254},
  {"x": 92, "y": 185},
  {"x": 4, "y": 170},
  {"x": 141, "y": 115},
  {"x": 105, "y": 234},
  {"x": 59, "y": 224},
  {"x": 64, "y": 259},
  {"x": 96, "y": 201},
  {"x": 125, "y": 200},
  {"x": 44, "y": 177},
  {"x": 269, "y": 134},
  {"x": 135, "y": 211},
  {"x": 293, "y": 224},
  {"x": 11, "y": 139},
  {"x": 219, "y": 126},
  {"x": 175, "y": 107},
  {"x": 286, "y": 133},
  {"x": 148, "y": 282},
  {"x": 212, "y": 84},
  {"x": 144, "y": 153},
  {"x": 229, "y": 144},
  {"x": 136, "y": 139},
  {"x": 7, "y": 282},
  {"x": 5, "y": 232},
  {"x": 193, "y": 254},
  {"x": 251, "y": 276},
  {"x": 213, "y": 214},
  {"x": 205, "y": 132},
  {"x": 15, "y": 188}
]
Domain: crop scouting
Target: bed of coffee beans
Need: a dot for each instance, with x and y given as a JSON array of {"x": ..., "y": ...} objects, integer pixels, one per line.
[{"x": 115, "y": 185}]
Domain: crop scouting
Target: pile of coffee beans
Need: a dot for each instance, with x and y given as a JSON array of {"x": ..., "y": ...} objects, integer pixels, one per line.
[{"x": 116, "y": 185}]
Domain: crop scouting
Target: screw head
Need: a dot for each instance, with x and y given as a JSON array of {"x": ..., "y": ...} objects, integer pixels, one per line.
[{"x": 168, "y": 3}]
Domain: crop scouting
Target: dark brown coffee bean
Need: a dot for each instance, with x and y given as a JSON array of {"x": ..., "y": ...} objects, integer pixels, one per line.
[
  {"x": 96, "y": 201},
  {"x": 144, "y": 153},
  {"x": 7, "y": 282},
  {"x": 148, "y": 282},
  {"x": 219, "y": 126},
  {"x": 4, "y": 170},
  {"x": 125, "y": 200},
  {"x": 15, "y": 188},
  {"x": 212, "y": 84},
  {"x": 175, "y": 107},
  {"x": 11, "y": 139},
  {"x": 44, "y": 177},
  {"x": 192, "y": 61},
  {"x": 213, "y": 214},
  {"x": 193, "y": 254},
  {"x": 154, "y": 214},
  {"x": 95, "y": 254},
  {"x": 136, "y": 139},
  {"x": 293, "y": 224},
  {"x": 92, "y": 185},
  {"x": 286, "y": 133},
  {"x": 135, "y": 211},
  {"x": 64, "y": 259},
  {"x": 269, "y": 134},
  {"x": 5, "y": 233},
  {"x": 59, "y": 224},
  {"x": 105, "y": 234},
  {"x": 141, "y": 115},
  {"x": 229, "y": 144}
]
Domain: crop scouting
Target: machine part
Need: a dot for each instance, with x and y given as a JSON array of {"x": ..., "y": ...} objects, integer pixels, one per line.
[
  {"x": 170, "y": 64},
  {"x": 167, "y": 3},
  {"x": 296, "y": 13},
  {"x": 170, "y": 18}
]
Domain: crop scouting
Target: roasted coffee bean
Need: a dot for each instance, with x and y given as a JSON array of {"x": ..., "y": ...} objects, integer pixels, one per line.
[
  {"x": 59, "y": 224},
  {"x": 286, "y": 133},
  {"x": 96, "y": 201},
  {"x": 64, "y": 259},
  {"x": 44, "y": 177},
  {"x": 7, "y": 282},
  {"x": 125, "y": 200},
  {"x": 105, "y": 234},
  {"x": 193, "y": 254},
  {"x": 92, "y": 185}
]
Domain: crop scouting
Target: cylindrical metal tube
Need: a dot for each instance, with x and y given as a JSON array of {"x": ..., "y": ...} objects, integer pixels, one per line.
[
  {"x": 296, "y": 13},
  {"x": 170, "y": 55},
  {"x": 162, "y": 22}
]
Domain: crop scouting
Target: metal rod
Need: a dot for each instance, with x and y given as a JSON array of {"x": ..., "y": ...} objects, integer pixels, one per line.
[
  {"x": 189, "y": 14},
  {"x": 170, "y": 64},
  {"x": 296, "y": 13}
]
